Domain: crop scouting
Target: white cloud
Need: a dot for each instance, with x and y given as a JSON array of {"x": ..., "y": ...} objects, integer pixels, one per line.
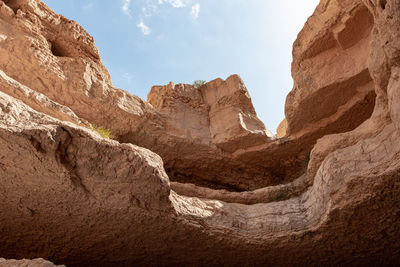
[
  {"x": 150, "y": 9},
  {"x": 126, "y": 7},
  {"x": 195, "y": 11},
  {"x": 145, "y": 29},
  {"x": 174, "y": 3}
]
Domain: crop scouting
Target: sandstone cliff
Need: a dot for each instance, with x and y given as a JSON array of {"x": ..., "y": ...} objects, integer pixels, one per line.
[{"x": 193, "y": 177}]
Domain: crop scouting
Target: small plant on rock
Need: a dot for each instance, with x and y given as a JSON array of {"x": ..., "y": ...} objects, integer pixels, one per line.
[
  {"x": 198, "y": 83},
  {"x": 104, "y": 132}
]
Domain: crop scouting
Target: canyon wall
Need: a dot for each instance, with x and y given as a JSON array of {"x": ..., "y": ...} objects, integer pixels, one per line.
[{"x": 192, "y": 176}]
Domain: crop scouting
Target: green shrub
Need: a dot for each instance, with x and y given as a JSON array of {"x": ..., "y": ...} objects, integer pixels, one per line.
[
  {"x": 198, "y": 83},
  {"x": 104, "y": 132}
]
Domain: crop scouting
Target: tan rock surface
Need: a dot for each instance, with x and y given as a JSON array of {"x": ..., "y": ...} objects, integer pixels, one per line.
[
  {"x": 218, "y": 113},
  {"x": 74, "y": 198},
  {"x": 282, "y": 129},
  {"x": 333, "y": 88},
  {"x": 26, "y": 263}
]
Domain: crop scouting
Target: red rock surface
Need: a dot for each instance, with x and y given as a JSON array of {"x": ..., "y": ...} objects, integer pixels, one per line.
[{"x": 194, "y": 177}]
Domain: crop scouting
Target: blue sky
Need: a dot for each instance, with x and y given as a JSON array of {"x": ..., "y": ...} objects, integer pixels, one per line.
[{"x": 152, "y": 42}]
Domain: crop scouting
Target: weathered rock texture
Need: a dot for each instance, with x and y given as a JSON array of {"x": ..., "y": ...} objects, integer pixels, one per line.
[
  {"x": 194, "y": 177},
  {"x": 26, "y": 263}
]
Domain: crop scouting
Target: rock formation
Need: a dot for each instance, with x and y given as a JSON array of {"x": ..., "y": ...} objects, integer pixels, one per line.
[
  {"x": 193, "y": 177},
  {"x": 27, "y": 263}
]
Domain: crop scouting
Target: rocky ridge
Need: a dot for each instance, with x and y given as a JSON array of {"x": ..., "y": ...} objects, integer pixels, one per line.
[{"x": 193, "y": 171}]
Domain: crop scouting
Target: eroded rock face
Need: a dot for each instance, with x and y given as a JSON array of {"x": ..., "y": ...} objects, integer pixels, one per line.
[
  {"x": 218, "y": 113},
  {"x": 209, "y": 124},
  {"x": 333, "y": 88},
  {"x": 325, "y": 191},
  {"x": 27, "y": 263}
]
